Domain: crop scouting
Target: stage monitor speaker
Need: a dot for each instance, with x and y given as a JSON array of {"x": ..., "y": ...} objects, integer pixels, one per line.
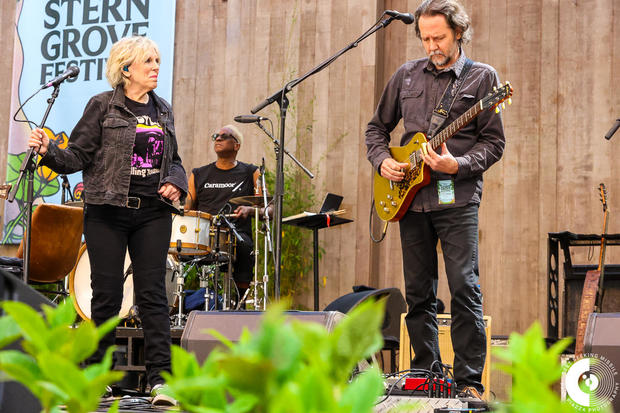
[
  {"x": 394, "y": 307},
  {"x": 13, "y": 396},
  {"x": 230, "y": 324},
  {"x": 445, "y": 347},
  {"x": 602, "y": 339}
]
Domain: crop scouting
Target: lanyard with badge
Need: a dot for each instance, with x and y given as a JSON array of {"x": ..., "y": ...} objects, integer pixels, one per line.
[{"x": 445, "y": 187}]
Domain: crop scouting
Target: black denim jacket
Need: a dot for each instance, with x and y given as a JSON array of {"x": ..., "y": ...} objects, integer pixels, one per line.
[{"x": 101, "y": 145}]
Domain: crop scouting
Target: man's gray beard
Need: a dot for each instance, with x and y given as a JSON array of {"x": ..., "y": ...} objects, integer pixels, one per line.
[{"x": 442, "y": 62}]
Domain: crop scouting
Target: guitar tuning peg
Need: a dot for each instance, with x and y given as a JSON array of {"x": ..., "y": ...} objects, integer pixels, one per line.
[
  {"x": 503, "y": 105},
  {"x": 510, "y": 101},
  {"x": 494, "y": 88},
  {"x": 496, "y": 109}
]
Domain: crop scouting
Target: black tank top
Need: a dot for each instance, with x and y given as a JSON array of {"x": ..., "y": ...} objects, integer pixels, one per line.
[{"x": 214, "y": 187}]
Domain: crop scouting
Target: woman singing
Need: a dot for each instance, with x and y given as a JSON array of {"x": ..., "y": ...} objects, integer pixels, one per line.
[{"x": 125, "y": 144}]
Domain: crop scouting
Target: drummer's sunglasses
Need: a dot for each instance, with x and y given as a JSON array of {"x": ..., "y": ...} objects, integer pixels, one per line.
[{"x": 224, "y": 136}]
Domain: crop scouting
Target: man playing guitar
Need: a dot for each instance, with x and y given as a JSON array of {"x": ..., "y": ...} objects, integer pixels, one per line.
[{"x": 447, "y": 208}]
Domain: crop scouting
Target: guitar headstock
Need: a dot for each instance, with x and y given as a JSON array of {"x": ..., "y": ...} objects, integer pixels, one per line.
[
  {"x": 5, "y": 190},
  {"x": 603, "y": 192},
  {"x": 497, "y": 97}
]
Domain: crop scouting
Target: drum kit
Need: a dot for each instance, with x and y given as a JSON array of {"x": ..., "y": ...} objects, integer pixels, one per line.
[{"x": 201, "y": 244}]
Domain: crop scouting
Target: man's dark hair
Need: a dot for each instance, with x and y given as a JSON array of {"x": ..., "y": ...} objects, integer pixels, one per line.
[{"x": 455, "y": 15}]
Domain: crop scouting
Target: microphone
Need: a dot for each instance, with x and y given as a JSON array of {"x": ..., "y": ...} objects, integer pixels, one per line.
[
  {"x": 249, "y": 118},
  {"x": 613, "y": 129},
  {"x": 406, "y": 18},
  {"x": 72, "y": 71}
]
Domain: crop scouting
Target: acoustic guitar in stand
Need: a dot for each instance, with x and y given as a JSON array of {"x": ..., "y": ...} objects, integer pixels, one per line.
[
  {"x": 593, "y": 288},
  {"x": 392, "y": 199}
]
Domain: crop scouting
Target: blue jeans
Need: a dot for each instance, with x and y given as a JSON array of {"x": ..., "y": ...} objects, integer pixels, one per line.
[
  {"x": 457, "y": 229},
  {"x": 109, "y": 231}
]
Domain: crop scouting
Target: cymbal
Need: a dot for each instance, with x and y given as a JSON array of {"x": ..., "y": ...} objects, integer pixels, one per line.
[{"x": 250, "y": 200}]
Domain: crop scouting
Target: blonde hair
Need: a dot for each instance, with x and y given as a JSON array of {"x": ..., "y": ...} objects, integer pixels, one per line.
[{"x": 123, "y": 53}]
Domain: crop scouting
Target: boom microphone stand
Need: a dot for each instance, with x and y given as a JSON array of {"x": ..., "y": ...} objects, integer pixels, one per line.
[
  {"x": 28, "y": 167},
  {"x": 282, "y": 100}
]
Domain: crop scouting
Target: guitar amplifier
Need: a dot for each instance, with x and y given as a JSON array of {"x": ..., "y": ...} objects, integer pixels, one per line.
[{"x": 445, "y": 347}]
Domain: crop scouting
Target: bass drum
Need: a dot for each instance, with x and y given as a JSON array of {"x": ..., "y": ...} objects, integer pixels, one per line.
[{"x": 82, "y": 293}]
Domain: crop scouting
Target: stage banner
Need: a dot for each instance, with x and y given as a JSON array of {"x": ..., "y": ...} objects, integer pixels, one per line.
[{"x": 51, "y": 35}]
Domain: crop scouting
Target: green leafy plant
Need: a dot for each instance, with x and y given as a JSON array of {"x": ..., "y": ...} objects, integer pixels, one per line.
[
  {"x": 534, "y": 370},
  {"x": 53, "y": 350},
  {"x": 284, "y": 367}
]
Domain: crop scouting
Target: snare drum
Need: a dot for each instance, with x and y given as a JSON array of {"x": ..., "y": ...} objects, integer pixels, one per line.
[
  {"x": 82, "y": 293},
  {"x": 192, "y": 231}
]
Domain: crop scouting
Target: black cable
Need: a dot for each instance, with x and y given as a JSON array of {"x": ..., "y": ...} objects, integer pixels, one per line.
[
  {"x": 22, "y": 105},
  {"x": 376, "y": 241}
]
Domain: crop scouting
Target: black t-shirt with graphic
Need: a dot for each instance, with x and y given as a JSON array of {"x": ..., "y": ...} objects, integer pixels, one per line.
[
  {"x": 214, "y": 187},
  {"x": 148, "y": 149}
]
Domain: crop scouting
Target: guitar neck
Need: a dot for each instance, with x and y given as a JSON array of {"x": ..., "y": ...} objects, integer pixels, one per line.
[
  {"x": 457, "y": 125},
  {"x": 601, "y": 259}
]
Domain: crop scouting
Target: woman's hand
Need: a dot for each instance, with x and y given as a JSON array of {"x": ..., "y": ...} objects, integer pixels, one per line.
[
  {"x": 170, "y": 191},
  {"x": 39, "y": 141}
]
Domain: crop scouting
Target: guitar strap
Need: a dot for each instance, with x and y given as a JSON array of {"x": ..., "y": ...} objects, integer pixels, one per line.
[{"x": 440, "y": 113}]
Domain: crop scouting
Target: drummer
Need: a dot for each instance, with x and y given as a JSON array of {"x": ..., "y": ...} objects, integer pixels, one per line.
[{"x": 213, "y": 185}]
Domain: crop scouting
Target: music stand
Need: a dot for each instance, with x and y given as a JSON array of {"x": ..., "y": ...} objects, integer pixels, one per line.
[{"x": 315, "y": 222}]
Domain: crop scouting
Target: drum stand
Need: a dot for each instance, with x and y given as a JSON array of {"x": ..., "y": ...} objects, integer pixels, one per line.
[
  {"x": 218, "y": 260},
  {"x": 267, "y": 234},
  {"x": 179, "y": 319},
  {"x": 256, "y": 286}
]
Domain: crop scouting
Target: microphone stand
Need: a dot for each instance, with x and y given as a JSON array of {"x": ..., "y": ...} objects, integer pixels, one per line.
[
  {"x": 283, "y": 102},
  {"x": 28, "y": 167},
  {"x": 66, "y": 189},
  {"x": 277, "y": 145}
]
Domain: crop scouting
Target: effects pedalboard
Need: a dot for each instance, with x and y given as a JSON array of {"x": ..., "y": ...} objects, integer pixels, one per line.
[
  {"x": 423, "y": 386},
  {"x": 427, "y": 394}
]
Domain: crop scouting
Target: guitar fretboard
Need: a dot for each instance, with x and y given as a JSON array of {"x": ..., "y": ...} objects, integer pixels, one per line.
[
  {"x": 457, "y": 125},
  {"x": 448, "y": 132}
]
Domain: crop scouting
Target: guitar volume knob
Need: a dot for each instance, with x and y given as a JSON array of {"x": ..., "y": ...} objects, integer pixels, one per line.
[
  {"x": 393, "y": 203},
  {"x": 386, "y": 209},
  {"x": 382, "y": 203},
  {"x": 389, "y": 197}
]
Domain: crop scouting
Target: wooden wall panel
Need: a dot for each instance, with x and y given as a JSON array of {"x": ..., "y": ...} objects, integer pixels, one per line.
[
  {"x": 561, "y": 56},
  {"x": 7, "y": 30}
]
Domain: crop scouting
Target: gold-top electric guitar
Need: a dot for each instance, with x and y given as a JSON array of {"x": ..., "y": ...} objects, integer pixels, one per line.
[{"x": 392, "y": 199}]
